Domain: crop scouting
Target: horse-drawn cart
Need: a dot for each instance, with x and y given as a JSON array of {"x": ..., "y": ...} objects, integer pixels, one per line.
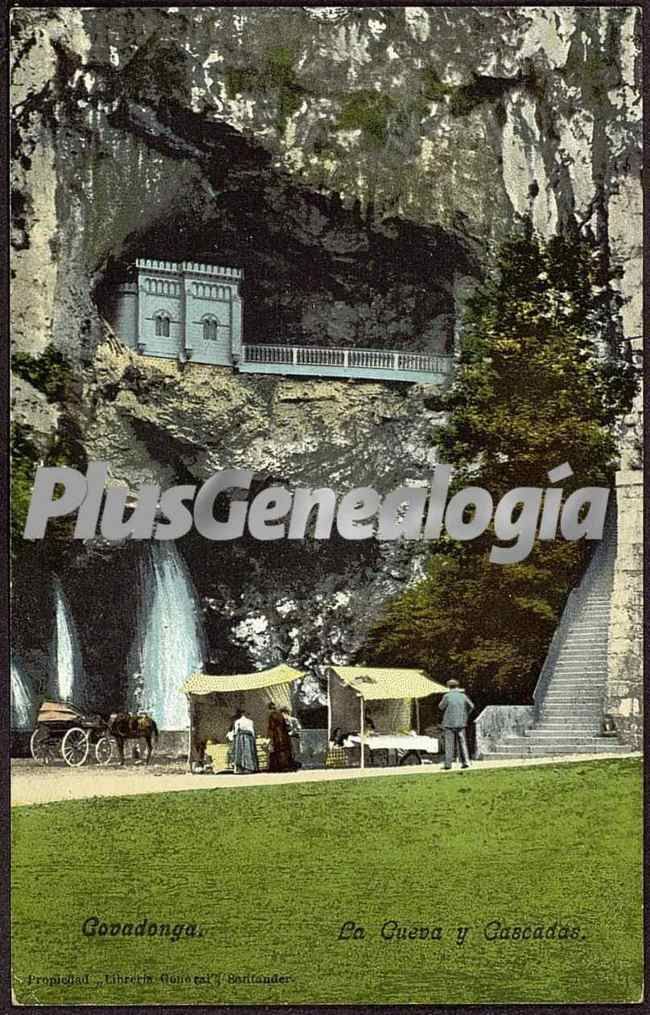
[{"x": 64, "y": 731}]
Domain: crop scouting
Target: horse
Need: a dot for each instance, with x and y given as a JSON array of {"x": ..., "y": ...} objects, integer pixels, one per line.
[{"x": 125, "y": 726}]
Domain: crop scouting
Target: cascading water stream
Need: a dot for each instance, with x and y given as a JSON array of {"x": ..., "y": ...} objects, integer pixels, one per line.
[
  {"x": 22, "y": 701},
  {"x": 66, "y": 674},
  {"x": 168, "y": 645}
]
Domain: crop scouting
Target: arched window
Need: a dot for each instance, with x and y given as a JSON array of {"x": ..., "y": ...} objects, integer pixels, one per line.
[
  {"x": 210, "y": 326},
  {"x": 161, "y": 320}
]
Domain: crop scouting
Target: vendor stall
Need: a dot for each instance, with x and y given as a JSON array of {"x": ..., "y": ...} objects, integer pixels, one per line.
[
  {"x": 380, "y": 708},
  {"x": 213, "y": 700}
]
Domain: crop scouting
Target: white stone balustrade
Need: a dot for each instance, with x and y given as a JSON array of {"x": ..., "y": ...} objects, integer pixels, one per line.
[{"x": 377, "y": 364}]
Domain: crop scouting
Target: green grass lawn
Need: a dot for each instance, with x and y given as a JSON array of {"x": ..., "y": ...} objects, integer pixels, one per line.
[{"x": 270, "y": 875}]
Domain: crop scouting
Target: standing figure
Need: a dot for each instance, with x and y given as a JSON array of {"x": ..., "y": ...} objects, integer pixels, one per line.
[
  {"x": 230, "y": 737},
  {"x": 294, "y": 728},
  {"x": 456, "y": 707},
  {"x": 244, "y": 750},
  {"x": 280, "y": 756}
]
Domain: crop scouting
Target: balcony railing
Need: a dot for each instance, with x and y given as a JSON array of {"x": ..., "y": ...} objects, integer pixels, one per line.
[{"x": 345, "y": 362}]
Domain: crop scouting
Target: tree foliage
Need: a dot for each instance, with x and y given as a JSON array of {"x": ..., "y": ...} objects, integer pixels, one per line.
[
  {"x": 539, "y": 382},
  {"x": 24, "y": 462},
  {"x": 52, "y": 375}
]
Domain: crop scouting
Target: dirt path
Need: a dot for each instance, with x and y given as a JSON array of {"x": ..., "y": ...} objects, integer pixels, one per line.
[{"x": 35, "y": 784}]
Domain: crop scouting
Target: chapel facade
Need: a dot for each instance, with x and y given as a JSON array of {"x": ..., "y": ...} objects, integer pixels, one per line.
[{"x": 183, "y": 310}]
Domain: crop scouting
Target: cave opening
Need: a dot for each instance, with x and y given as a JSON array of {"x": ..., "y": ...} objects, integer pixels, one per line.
[{"x": 317, "y": 270}]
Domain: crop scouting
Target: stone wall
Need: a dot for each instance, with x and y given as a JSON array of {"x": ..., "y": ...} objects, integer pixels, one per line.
[
  {"x": 498, "y": 721},
  {"x": 625, "y": 655}
]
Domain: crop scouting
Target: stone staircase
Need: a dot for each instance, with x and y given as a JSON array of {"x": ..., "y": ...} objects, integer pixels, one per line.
[{"x": 571, "y": 694}]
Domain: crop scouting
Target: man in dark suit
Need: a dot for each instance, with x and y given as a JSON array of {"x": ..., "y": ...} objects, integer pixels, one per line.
[{"x": 456, "y": 707}]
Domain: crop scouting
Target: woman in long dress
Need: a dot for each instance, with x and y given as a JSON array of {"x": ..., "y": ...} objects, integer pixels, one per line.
[
  {"x": 244, "y": 750},
  {"x": 280, "y": 754}
]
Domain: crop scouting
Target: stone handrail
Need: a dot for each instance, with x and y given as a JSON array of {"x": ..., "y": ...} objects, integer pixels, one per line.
[{"x": 568, "y": 614}]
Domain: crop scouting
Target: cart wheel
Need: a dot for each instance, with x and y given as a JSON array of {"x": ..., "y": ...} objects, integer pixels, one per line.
[
  {"x": 411, "y": 758},
  {"x": 75, "y": 746},
  {"x": 104, "y": 750},
  {"x": 42, "y": 746}
]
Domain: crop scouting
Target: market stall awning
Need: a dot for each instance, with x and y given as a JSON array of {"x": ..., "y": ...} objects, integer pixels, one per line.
[
  {"x": 380, "y": 684},
  {"x": 207, "y": 683}
]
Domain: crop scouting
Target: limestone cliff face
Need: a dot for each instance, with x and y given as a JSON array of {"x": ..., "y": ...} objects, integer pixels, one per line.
[
  {"x": 142, "y": 125},
  {"x": 359, "y": 164}
]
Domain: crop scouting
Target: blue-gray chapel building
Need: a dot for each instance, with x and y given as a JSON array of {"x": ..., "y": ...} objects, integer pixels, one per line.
[{"x": 181, "y": 310}]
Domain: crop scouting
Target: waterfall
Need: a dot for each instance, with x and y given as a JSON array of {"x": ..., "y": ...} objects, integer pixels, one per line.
[
  {"x": 22, "y": 702},
  {"x": 65, "y": 656},
  {"x": 168, "y": 645}
]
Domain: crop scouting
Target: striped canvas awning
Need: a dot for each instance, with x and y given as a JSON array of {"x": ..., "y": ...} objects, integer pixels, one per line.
[
  {"x": 207, "y": 683},
  {"x": 377, "y": 684}
]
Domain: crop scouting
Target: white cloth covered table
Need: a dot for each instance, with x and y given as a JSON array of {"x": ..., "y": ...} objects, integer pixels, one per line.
[{"x": 396, "y": 742}]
